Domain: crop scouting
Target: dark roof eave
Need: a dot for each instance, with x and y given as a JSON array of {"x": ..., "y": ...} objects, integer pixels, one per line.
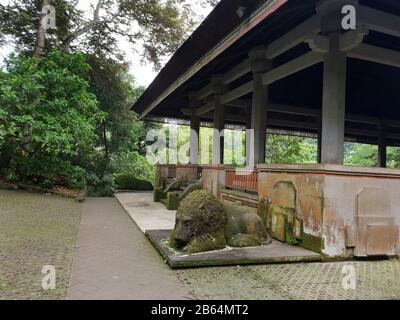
[{"x": 193, "y": 60}]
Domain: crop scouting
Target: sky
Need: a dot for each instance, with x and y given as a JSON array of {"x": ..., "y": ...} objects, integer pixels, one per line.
[{"x": 143, "y": 73}]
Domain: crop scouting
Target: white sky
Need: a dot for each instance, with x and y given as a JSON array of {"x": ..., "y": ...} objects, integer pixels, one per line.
[{"x": 143, "y": 73}]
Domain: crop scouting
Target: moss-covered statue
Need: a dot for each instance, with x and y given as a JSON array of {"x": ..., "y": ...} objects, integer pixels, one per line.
[
  {"x": 176, "y": 191},
  {"x": 204, "y": 224}
]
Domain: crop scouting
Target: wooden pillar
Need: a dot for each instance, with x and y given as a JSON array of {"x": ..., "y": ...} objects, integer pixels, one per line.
[
  {"x": 219, "y": 122},
  {"x": 319, "y": 137},
  {"x": 382, "y": 146},
  {"x": 334, "y": 103},
  {"x": 258, "y": 136},
  {"x": 194, "y": 139},
  {"x": 194, "y": 104},
  {"x": 248, "y": 140}
]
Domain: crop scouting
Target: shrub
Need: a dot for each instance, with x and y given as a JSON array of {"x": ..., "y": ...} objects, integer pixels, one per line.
[
  {"x": 99, "y": 186},
  {"x": 133, "y": 163},
  {"x": 128, "y": 181}
]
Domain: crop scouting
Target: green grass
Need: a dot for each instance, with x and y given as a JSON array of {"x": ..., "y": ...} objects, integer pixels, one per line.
[{"x": 36, "y": 230}]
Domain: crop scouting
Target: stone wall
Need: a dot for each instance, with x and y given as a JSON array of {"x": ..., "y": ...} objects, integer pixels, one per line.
[
  {"x": 336, "y": 210},
  {"x": 161, "y": 174},
  {"x": 188, "y": 172},
  {"x": 323, "y": 205},
  {"x": 214, "y": 178}
]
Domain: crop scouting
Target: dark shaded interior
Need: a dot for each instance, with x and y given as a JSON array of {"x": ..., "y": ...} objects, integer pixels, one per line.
[{"x": 372, "y": 89}]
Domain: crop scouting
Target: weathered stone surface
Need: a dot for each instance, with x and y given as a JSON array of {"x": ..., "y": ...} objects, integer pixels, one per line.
[
  {"x": 276, "y": 252},
  {"x": 298, "y": 228},
  {"x": 244, "y": 227},
  {"x": 246, "y": 199},
  {"x": 200, "y": 221},
  {"x": 172, "y": 201},
  {"x": 204, "y": 224},
  {"x": 313, "y": 243},
  {"x": 381, "y": 239},
  {"x": 214, "y": 178},
  {"x": 158, "y": 193},
  {"x": 377, "y": 233},
  {"x": 284, "y": 194},
  {"x": 278, "y": 225},
  {"x": 373, "y": 202},
  {"x": 329, "y": 200},
  {"x": 187, "y": 172},
  {"x": 297, "y": 196},
  {"x": 172, "y": 191}
]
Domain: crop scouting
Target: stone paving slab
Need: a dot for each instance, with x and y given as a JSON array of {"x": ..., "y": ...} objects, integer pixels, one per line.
[
  {"x": 147, "y": 214},
  {"x": 276, "y": 252},
  {"x": 113, "y": 260}
]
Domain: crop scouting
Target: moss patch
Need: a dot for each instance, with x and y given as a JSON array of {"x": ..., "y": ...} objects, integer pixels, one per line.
[
  {"x": 172, "y": 201},
  {"x": 313, "y": 243},
  {"x": 216, "y": 242}
]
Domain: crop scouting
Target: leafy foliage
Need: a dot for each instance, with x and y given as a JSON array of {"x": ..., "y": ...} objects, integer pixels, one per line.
[
  {"x": 393, "y": 157},
  {"x": 100, "y": 187},
  {"x": 49, "y": 118},
  {"x": 287, "y": 149},
  {"x": 361, "y": 155},
  {"x": 133, "y": 163},
  {"x": 127, "y": 181},
  {"x": 157, "y": 27},
  {"x": 366, "y": 155},
  {"x": 61, "y": 120}
]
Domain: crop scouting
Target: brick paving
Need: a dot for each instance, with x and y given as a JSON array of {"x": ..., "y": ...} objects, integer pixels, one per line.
[
  {"x": 301, "y": 281},
  {"x": 114, "y": 260}
]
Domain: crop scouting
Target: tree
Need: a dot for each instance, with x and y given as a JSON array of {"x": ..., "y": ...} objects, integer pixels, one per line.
[
  {"x": 114, "y": 89},
  {"x": 393, "y": 157},
  {"x": 361, "y": 155},
  {"x": 158, "y": 27},
  {"x": 2, "y": 23},
  {"x": 286, "y": 149},
  {"x": 48, "y": 118}
]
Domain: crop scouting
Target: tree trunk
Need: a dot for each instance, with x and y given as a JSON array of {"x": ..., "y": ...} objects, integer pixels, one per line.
[
  {"x": 41, "y": 34},
  {"x": 107, "y": 155}
]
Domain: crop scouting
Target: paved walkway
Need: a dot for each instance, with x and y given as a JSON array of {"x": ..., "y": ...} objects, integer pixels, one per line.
[
  {"x": 147, "y": 214},
  {"x": 114, "y": 260}
]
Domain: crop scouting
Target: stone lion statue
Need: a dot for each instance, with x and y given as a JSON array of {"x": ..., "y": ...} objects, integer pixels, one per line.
[{"x": 204, "y": 224}]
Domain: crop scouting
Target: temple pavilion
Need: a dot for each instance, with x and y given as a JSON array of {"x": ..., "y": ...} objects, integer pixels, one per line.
[{"x": 329, "y": 68}]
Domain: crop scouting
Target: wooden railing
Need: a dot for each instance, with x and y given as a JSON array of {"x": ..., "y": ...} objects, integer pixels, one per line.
[{"x": 242, "y": 180}]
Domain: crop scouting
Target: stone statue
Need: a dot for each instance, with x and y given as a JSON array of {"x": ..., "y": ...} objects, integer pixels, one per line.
[
  {"x": 203, "y": 223},
  {"x": 175, "y": 192}
]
